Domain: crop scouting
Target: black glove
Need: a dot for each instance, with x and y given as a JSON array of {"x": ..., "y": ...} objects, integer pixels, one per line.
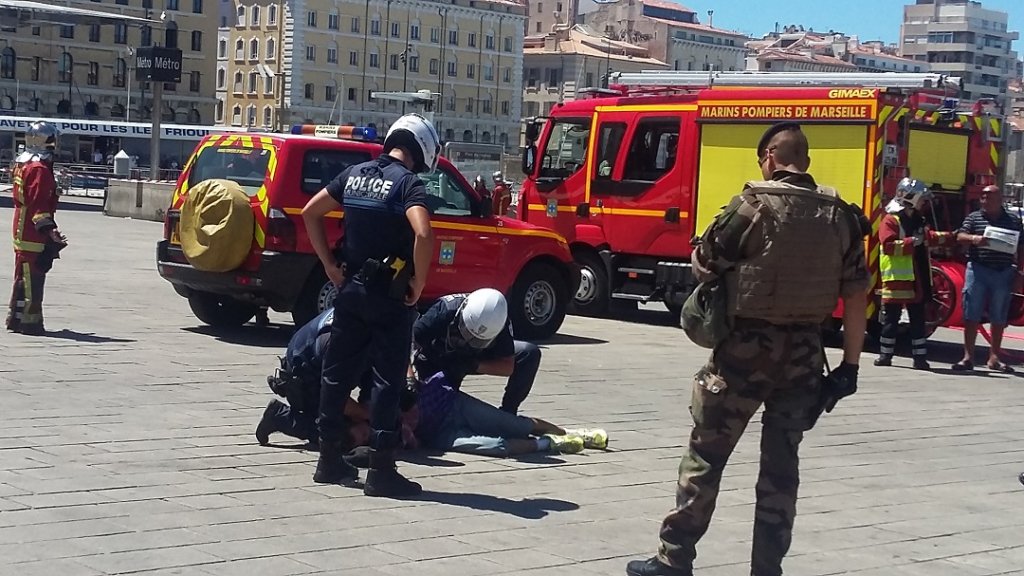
[{"x": 839, "y": 384}]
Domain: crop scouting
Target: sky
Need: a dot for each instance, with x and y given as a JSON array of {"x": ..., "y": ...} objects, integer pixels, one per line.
[{"x": 867, "y": 19}]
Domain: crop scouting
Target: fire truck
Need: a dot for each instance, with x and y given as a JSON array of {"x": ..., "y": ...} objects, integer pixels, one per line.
[{"x": 630, "y": 175}]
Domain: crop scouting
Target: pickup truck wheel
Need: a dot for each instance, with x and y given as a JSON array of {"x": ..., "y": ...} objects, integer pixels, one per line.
[
  {"x": 537, "y": 302},
  {"x": 317, "y": 295},
  {"x": 220, "y": 311},
  {"x": 591, "y": 297}
]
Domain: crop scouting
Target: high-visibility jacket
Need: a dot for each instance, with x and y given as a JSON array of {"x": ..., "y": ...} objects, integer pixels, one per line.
[{"x": 902, "y": 282}]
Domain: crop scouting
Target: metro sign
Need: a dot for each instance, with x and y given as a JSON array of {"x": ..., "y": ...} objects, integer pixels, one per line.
[{"x": 158, "y": 64}]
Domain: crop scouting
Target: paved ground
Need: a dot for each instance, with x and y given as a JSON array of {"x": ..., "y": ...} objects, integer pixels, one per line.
[{"x": 126, "y": 446}]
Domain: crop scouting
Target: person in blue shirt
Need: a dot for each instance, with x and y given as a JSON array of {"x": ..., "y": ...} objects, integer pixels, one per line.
[{"x": 381, "y": 272}]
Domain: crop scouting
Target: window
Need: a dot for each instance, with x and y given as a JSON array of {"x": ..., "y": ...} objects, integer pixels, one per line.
[
  {"x": 146, "y": 36},
  {"x": 453, "y": 69},
  {"x": 330, "y": 93},
  {"x": 238, "y": 82},
  {"x": 239, "y": 49},
  {"x": 353, "y": 58},
  {"x": 355, "y": 25},
  {"x": 36, "y": 31},
  {"x": 414, "y": 31},
  {"x": 652, "y": 151},
  {"x": 222, "y": 48},
  {"x": 489, "y": 72},
  {"x": 8, "y": 63},
  {"x": 506, "y": 75},
  {"x": 37, "y": 67},
  {"x": 94, "y": 33},
  {"x": 505, "y": 107},
  {"x": 309, "y": 91},
  {"x": 393, "y": 64},
  {"x": 170, "y": 35},
  {"x": 193, "y": 82},
  {"x": 197, "y": 41},
  {"x": 332, "y": 55},
  {"x": 67, "y": 31},
  {"x": 414, "y": 63},
  {"x": 435, "y": 35},
  {"x": 566, "y": 148},
  {"x": 554, "y": 77},
  {"x": 219, "y": 112},
  {"x": 272, "y": 15},
  {"x": 445, "y": 194},
  {"x": 608, "y": 143},
  {"x": 332, "y": 21},
  {"x": 489, "y": 42},
  {"x": 311, "y": 19},
  {"x": 319, "y": 167},
  {"x": 508, "y": 44},
  {"x": 351, "y": 94},
  {"x": 251, "y": 115},
  {"x": 65, "y": 68},
  {"x": 254, "y": 49},
  {"x": 470, "y": 71},
  {"x": 222, "y": 77},
  {"x": 374, "y": 60},
  {"x": 311, "y": 53},
  {"x": 268, "y": 116},
  {"x": 120, "y": 73},
  {"x": 171, "y": 4},
  {"x": 453, "y": 37},
  {"x": 471, "y": 40},
  {"x": 240, "y": 21},
  {"x": 488, "y": 106},
  {"x": 253, "y": 79},
  {"x": 236, "y": 115},
  {"x": 434, "y": 66},
  {"x": 197, "y": 6},
  {"x": 254, "y": 16},
  {"x": 268, "y": 84},
  {"x": 93, "y": 79},
  {"x": 396, "y": 30},
  {"x": 375, "y": 27}
]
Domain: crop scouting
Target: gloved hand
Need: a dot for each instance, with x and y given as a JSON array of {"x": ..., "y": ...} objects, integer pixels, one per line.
[
  {"x": 842, "y": 382},
  {"x": 918, "y": 240}
]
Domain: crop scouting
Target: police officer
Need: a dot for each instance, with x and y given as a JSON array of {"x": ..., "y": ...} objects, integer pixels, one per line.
[
  {"x": 786, "y": 250},
  {"x": 464, "y": 334},
  {"x": 37, "y": 240},
  {"x": 385, "y": 255}
]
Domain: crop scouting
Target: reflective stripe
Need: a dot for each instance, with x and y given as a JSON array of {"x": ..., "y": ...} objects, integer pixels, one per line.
[
  {"x": 884, "y": 340},
  {"x": 887, "y": 350},
  {"x": 26, "y": 246},
  {"x": 897, "y": 294},
  {"x": 896, "y": 266},
  {"x": 919, "y": 341},
  {"x": 920, "y": 352}
]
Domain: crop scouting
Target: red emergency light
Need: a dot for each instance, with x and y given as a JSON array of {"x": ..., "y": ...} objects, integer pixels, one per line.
[{"x": 364, "y": 133}]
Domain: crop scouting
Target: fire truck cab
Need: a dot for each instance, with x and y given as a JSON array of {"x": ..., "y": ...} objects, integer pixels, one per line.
[{"x": 632, "y": 175}]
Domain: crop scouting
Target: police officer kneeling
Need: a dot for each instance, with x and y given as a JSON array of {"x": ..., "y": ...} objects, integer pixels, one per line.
[
  {"x": 464, "y": 334},
  {"x": 386, "y": 253}
]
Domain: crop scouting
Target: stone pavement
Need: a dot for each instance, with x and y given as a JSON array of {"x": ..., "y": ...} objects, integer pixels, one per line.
[{"x": 126, "y": 447}]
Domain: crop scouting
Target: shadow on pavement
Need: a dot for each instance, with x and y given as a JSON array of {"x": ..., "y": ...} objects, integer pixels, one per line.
[
  {"x": 538, "y": 458},
  {"x": 529, "y": 508},
  {"x": 569, "y": 340},
  {"x": 421, "y": 458},
  {"x": 89, "y": 338},
  {"x": 273, "y": 336}
]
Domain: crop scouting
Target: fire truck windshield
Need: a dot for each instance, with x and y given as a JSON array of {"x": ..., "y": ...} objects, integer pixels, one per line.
[{"x": 566, "y": 147}]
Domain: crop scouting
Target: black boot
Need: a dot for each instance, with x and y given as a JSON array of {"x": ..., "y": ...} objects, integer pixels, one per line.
[
  {"x": 268, "y": 424},
  {"x": 384, "y": 480},
  {"x": 654, "y": 567},
  {"x": 884, "y": 360},
  {"x": 921, "y": 363},
  {"x": 332, "y": 468}
]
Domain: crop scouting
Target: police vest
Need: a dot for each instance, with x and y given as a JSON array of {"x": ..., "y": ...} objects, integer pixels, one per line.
[
  {"x": 795, "y": 278},
  {"x": 898, "y": 266},
  {"x": 376, "y": 226}
]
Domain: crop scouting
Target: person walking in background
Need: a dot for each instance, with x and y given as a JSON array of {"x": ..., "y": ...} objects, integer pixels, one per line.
[
  {"x": 992, "y": 277},
  {"x": 905, "y": 266}
]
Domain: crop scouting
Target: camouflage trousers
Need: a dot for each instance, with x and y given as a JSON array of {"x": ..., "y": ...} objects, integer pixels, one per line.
[{"x": 758, "y": 364}]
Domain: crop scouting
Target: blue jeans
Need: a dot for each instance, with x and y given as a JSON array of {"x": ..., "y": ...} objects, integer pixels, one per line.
[
  {"x": 475, "y": 427},
  {"x": 987, "y": 288}
]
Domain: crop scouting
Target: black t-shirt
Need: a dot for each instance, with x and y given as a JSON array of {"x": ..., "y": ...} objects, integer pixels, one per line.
[
  {"x": 975, "y": 223},
  {"x": 375, "y": 196},
  {"x": 430, "y": 334}
]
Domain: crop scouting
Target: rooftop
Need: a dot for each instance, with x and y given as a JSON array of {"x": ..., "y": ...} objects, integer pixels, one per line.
[{"x": 579, "y": 40}]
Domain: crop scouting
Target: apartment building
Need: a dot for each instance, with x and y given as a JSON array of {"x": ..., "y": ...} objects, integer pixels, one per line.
[
  {"x": 319, "y": 61},
  {"x": 793, "y": 49},
  {"x": 962, "y": 38},
  {"x": 88, "y": 71}
]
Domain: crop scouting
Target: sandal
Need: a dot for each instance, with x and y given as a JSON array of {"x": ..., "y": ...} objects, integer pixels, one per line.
[
  {"x": 963, "y": 366},
  {"x": 1000, "y": 367}
]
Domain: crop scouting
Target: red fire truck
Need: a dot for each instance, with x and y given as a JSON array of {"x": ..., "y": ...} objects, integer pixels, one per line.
[{"x": 632, "y": 174}]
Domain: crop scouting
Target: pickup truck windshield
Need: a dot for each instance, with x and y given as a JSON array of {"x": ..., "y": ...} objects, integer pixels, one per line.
[{"x": 566, "y": 147}]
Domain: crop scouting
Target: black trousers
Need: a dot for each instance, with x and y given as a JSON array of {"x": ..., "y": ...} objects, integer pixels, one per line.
[
  {"x": 890, "y": 325},
  {"x": 521, "y": 381},
  {"x": 368, "y": 327}
]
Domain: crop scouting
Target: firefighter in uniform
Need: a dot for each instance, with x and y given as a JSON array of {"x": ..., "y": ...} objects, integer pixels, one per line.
[
  {"x": 37, "y": 240},
  {"x": 786, "y": 250},
  {"x": 905, "y": 267},
  {"x": 385, "y": 256}
]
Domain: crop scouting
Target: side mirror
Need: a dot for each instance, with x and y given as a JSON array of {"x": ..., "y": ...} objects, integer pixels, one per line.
[
  {"x": 532, "y": 132},
  {"x": 529, "y": 159},
  {"x": 486, "y": 207}
]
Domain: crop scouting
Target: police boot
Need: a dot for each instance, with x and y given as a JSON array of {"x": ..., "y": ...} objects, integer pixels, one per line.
[
  {"x": 332, "y": 468},
  {"x": 921, "y": 363},
  {"x": 654, "y": 567},
  {"x": 268, "y": 423},
  {"x": 883, "y": 360},
  {"x": 384, "y": 480}
]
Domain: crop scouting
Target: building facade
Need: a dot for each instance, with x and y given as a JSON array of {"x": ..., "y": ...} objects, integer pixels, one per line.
[
  {"x": 794, "y": 49},
  {"x": 319, "y": 61},
  {"x": 88, "y": 71},
  {"x": 964, "y": 39}
]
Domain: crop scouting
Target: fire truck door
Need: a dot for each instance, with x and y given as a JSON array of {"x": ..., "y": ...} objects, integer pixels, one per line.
[{"x": 638, "y": 183}]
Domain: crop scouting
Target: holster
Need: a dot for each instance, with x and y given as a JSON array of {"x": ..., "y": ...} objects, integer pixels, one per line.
[
  {"x": 288, "y": 385},
  {"x": 390, "y": 277}
]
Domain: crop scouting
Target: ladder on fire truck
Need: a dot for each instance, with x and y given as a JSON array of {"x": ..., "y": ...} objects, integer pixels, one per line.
[{"x": 650, "y": 80}]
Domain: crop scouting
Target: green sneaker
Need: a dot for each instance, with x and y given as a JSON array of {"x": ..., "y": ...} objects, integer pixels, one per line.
[
  {"x": 593, "y": 438},
  {"x": 565, "y": 444}
]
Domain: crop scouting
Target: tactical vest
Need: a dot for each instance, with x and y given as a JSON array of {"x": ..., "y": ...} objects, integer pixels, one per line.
[
  {"x": 897, "y": 267},
  {"x": 795, "y": 278}
]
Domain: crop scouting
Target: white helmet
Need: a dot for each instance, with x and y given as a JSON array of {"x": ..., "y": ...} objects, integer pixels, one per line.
[
  {"x": 416, "y": 134},
  {"x": 482, "y": 317},
  {"x": 913, "y": 193}
]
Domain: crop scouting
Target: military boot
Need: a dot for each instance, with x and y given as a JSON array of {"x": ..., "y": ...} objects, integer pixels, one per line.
[
  {"x": 332, "y": 468},
  {"x": 654, "y": 567},
  {"x": 384, "y": 480},
  {"x": 268, "y": 423},
  {"x": 883, "y": 360}
]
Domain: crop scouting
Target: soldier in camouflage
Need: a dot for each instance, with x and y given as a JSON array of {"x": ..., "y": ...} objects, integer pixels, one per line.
[{"x": 787, "y": 250}]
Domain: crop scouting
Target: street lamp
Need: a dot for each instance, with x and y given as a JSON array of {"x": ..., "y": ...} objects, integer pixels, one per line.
[{"x": 130, "y": 51}]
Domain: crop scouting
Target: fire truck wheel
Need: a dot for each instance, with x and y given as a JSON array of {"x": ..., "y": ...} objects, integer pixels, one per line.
[
  {"x": 220, "y": 311},
  {"x": 317, "y": 295},
  {"x": 591, "y": 297},
  {"x": 537, "y": 302}
]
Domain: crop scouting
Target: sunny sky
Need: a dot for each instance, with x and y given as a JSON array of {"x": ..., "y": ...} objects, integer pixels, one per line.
[{"x": 868, "y": 19}]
